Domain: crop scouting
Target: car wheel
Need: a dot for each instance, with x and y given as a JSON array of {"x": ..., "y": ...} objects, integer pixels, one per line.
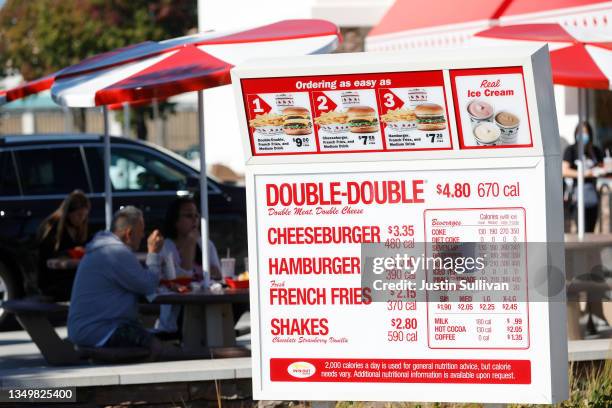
[{"x": 8, "y": 290}]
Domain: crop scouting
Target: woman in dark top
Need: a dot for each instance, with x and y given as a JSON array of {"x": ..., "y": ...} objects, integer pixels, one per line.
[
  {"x": 64, "y": 229},
  {"x": 593, "y": 159}
]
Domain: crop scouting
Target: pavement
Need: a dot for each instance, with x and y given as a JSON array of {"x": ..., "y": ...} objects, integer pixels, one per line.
[{"x": 21, "y": 365}]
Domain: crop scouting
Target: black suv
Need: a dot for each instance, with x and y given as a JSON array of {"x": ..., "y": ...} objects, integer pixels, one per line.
[{"x": 37, "y": 171}]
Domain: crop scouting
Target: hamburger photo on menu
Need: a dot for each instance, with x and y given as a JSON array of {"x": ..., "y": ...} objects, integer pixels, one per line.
[
  {"x": 362, "y": 119},
  {"x": 430, "y": 116},
  {"x": 296, "y": 121}
]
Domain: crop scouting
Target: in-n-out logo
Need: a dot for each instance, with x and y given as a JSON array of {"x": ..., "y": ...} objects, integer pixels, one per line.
[
  {"x": 284, "y": 100},
  {"x": 350, "y": 98},
  {"x": 417, "y": 96},
  {"x": 301, "y": 369}
]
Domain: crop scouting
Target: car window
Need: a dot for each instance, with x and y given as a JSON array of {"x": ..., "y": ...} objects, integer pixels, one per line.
[
  {"x": 8, "y": 176},
  {"x": 135, "y": 170},
  {"x": 51, "y": 170}
]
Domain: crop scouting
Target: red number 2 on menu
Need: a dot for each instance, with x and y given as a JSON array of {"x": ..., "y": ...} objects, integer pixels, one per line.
[{"x": 323, "y": 103}]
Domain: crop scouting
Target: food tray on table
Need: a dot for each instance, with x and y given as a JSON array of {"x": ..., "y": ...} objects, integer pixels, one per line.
[
  {"x": 237, "y": 284},
  {"x": 180, "y": 285}
]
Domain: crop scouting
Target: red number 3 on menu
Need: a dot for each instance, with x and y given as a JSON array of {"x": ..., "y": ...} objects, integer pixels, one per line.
[{"x": 390, "y": 100}]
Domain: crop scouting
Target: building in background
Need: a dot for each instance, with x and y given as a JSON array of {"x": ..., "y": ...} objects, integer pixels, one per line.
[
  {"x": 454, "y": 22},
  {"x": 354, "y": 17}
]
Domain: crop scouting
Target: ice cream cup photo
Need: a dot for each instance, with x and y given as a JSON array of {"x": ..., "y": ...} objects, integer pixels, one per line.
[
  {"x": 479, "y": 111},
  {"x": 508, "y": 124},
  {"x": 487, "y": 134}
]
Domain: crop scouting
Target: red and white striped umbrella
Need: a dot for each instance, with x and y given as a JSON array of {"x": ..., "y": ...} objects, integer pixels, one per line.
[
  {"x": 580, "y": 57},
  {"x": 215, "y": 42},
  {"x": 160, "y": 70},
  {"x": 29, "y": 88}
]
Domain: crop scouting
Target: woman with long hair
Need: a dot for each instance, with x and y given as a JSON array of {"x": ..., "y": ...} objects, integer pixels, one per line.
[
  {"x": 182, "y": 249},
  {"x": 64, "y": 229}
]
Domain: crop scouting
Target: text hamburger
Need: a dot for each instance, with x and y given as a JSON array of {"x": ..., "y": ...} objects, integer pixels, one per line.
[
  {"x": 296, "y": 121},
  {"x": 362, "y": 119},
  {"x": 430, "y": 117}
]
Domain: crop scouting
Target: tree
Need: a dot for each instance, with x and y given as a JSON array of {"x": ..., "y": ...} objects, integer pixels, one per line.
[{"x": 39, "y": 37}]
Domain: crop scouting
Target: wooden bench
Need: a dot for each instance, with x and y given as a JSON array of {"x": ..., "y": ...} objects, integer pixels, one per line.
[{"x": 34, "y": 316}]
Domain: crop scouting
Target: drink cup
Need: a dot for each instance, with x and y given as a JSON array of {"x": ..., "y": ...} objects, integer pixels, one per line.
[
  {"x": 228, "y": 267},
  {"x": 608, "y": 164}
]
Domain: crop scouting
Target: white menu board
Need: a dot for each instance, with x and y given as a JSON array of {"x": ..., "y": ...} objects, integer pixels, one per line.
[{"x": 404, "y": 150}]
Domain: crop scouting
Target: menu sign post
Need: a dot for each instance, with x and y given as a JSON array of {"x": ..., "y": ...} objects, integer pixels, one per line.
[{"x": 348, "y": 152}]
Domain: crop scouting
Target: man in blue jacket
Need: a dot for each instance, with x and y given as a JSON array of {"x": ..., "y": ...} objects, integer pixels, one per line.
[{"x": 109, "y": 283}]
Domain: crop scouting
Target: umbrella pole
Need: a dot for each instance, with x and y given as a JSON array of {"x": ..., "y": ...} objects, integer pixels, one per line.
[
  {"x": 157, "y": 122},
  {"x": 580, "y": 166},
  {"x": 67, "y": 119},
  {"x": 126, "y": 119},
  {"x": 203, "y": 190},
  {"x": 108, "y": 199}
]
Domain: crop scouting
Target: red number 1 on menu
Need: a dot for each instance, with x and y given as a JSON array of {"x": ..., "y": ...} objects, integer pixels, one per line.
[{"x": 258, "y": 106}]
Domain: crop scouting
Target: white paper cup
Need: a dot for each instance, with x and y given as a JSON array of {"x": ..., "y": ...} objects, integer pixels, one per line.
[
  {"x": 228, "y": 267},
  {"x": 476, "y": 120},
  {"x": 509, "y": 134},
  {"x": 487, "y": 134},
  {"x": 608, "y": 164}
]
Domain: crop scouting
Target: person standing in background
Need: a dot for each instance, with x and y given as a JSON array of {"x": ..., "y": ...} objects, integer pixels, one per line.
[{"x": 593, "y": 161}]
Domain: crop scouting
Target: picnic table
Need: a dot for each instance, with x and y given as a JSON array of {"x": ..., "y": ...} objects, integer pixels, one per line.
[
  {"x": 583, "y": 257},
  {"x": 208, "y": 319}
]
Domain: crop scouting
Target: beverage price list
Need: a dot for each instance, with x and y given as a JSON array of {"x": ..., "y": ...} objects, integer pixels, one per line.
[
  {"x": 350, "y": 166},
  {"x": 485, "y": 320}
]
